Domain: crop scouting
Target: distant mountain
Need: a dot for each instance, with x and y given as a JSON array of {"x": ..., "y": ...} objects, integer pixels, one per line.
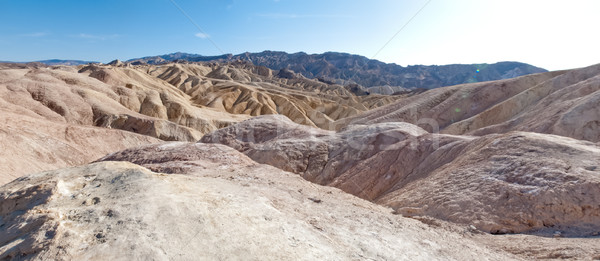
[
  {"x": 346, "y": 68},
  {"x": 181, "y": 56},
  {"x": 65, "y": 62},
  {"x": 56, "y": 62}
]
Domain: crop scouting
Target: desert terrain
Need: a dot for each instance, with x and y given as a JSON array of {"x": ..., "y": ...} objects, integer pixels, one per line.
[{"x": 231, "y": 160}]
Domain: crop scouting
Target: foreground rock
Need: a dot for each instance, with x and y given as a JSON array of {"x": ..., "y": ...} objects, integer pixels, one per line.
[
  {"x": 216, "y": 204},
  {"x": 509, "y": 183}
]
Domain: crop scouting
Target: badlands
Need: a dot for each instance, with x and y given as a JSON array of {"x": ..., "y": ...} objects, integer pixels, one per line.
[{"x": 210, "y": 160}]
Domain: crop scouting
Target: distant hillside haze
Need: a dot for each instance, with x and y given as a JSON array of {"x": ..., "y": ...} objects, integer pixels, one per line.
[
  {"x": 65, "y": 62},
  {"x": 346, "y": 68},
  {"x": 56, "y": 62}
]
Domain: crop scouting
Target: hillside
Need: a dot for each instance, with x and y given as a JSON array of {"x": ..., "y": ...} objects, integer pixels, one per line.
[
  {"x": 186, "y": 200},
  {"x": 511, "y": 183},
  {"x": 562, "y": 102},
  {"x": 216, "y": 204}
]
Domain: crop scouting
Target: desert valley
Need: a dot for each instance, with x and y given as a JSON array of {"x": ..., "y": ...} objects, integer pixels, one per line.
[{"x": 239, "y": 157}]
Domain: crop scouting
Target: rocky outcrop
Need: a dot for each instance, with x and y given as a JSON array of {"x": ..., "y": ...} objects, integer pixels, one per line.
[
  {"x": 510, "y": 183},
  {"x": 116, "y": 63},
  {"x": 357, "y": 89},
  {"x": 286, "y": 74}
]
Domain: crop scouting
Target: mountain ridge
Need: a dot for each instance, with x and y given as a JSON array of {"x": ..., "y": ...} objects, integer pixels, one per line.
[
  {"x": 56, "y": 62},
  {"x": 344, "y": 68}
]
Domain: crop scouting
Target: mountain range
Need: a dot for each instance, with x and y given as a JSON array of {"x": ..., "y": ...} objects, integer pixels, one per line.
[
  {"x": 343, "y": 68},
  {"x": 346, "y": 69},
  {"x": 57, "y": 62}
]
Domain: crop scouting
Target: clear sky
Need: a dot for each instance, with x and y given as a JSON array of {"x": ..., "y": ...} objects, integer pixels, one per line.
[{"x": 550, "y": 34}]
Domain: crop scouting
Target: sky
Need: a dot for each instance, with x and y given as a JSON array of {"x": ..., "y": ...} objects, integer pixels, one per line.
[{"x": 550, "y": 34}]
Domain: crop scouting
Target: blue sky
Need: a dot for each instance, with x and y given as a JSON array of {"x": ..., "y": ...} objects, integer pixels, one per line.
[{"x": 549, "y": 34}]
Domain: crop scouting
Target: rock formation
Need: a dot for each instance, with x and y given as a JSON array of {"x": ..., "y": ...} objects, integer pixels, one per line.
[
  {"x": 31, "y": 144},
  {"x": 173, "y": 102}
]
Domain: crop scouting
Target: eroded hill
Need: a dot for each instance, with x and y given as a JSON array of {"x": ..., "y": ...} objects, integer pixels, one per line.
[
  {"x": 563, "y": 103},
  {"x": 499, "y": 183},
  {"x": 171, "y": 102}
]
